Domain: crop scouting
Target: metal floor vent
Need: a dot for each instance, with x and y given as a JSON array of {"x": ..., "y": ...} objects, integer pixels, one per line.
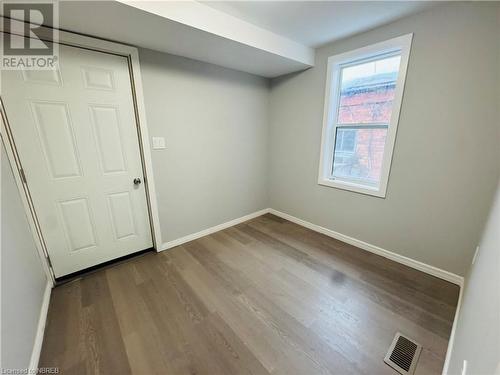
[{"x": 403, "y": 354}]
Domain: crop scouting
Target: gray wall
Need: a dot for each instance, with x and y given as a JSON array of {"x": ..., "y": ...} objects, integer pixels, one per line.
[
  {"x": 214, "y": 120},
  {"x": 445, "y": 162},
  {"x": 23, "y": 278},
  {"x": 477, "y": 338}
]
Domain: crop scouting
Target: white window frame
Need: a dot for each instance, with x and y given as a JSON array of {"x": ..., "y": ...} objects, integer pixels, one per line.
[{"x": 400, "y": 45}]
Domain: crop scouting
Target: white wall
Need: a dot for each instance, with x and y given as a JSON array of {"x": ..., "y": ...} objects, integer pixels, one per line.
[
  {"x": 23, "y": 280},
  {"x": 445, "y": 163},
  {"x": 477, "y": 338},
  {"x": 214, "y": 120}
]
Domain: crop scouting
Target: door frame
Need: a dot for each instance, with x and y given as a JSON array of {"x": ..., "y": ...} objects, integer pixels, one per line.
[{"x": 131, "y": 53}]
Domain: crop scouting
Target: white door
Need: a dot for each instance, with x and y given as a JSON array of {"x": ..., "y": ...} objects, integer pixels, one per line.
[{"x": 75, "y": 132}]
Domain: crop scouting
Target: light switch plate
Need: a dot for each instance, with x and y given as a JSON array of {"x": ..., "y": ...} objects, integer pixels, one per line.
[{"x": 158, "y": 143}]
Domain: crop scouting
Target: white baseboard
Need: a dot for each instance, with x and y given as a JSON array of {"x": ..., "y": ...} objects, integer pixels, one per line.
[
  {"x": 206, "y": 232},
  {"x": 42, "y": 319},
  {"x": 431, "y": 270},
  {"x": 451, "y": 340}
]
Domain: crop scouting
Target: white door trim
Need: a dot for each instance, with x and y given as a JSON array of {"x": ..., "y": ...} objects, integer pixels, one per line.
[
  {"x": 15, "y": 164},
  {"x": 132, "y": 55}
]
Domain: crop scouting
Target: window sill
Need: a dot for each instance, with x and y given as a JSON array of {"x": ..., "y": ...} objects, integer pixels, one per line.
[{"x": 351, "y": 186}]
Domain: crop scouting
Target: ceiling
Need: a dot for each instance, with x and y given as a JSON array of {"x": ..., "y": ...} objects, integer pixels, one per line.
[
  {"x": 266, "y": 38},
  {"x": 189, "y": 29},
  {"x": 314, "y": 23}
]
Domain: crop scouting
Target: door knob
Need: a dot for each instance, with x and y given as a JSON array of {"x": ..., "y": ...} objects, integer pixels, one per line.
[{"x": 137, "y": 181}]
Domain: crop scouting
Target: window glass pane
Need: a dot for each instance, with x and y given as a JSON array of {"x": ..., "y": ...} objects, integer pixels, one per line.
[
  {"x": 345, "y": 140},
  {"x": 367, "y": 91},
  {"x": 359, "y": 153}
]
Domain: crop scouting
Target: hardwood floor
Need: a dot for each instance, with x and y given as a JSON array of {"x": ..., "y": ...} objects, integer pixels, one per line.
[{"x": 263, "y": 297}]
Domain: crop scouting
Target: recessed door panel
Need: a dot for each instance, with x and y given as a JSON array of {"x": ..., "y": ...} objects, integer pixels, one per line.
[
  {"x": 122, "y": 214},
  {"x": 97, "y": 78},
  {"x": 78, "y": 224},
  {"x": 76, "y": 135},
  {"x": 108, "y": 137},
  {"x": 50, "y": 77},
  {"x": 57, "y": 138}
]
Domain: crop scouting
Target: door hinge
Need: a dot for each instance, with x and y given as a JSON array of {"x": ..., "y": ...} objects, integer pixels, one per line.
[
  {"x": 50, "y": 263},
  {"x": 23, "y": 176}
]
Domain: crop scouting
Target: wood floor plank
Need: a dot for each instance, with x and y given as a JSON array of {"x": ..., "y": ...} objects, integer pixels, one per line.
[
  {"x": 369, "y": 274},
  {"x": 422, "y": 309},
  {"x": 63, "y": 337},
  {"x": 283, "y": 330},
  {"x": 104, "y": 347},
  {"x": 403, "y": 275},
  {"x": 143, "y": 342},
  {"x": 264, "y": 344},
  {"x": 263, "y": 297},
  {"x": 230, "y": 349}
]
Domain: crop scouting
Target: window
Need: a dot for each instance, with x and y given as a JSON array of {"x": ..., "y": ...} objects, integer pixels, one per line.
[{"x": 362, "y": 103}]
